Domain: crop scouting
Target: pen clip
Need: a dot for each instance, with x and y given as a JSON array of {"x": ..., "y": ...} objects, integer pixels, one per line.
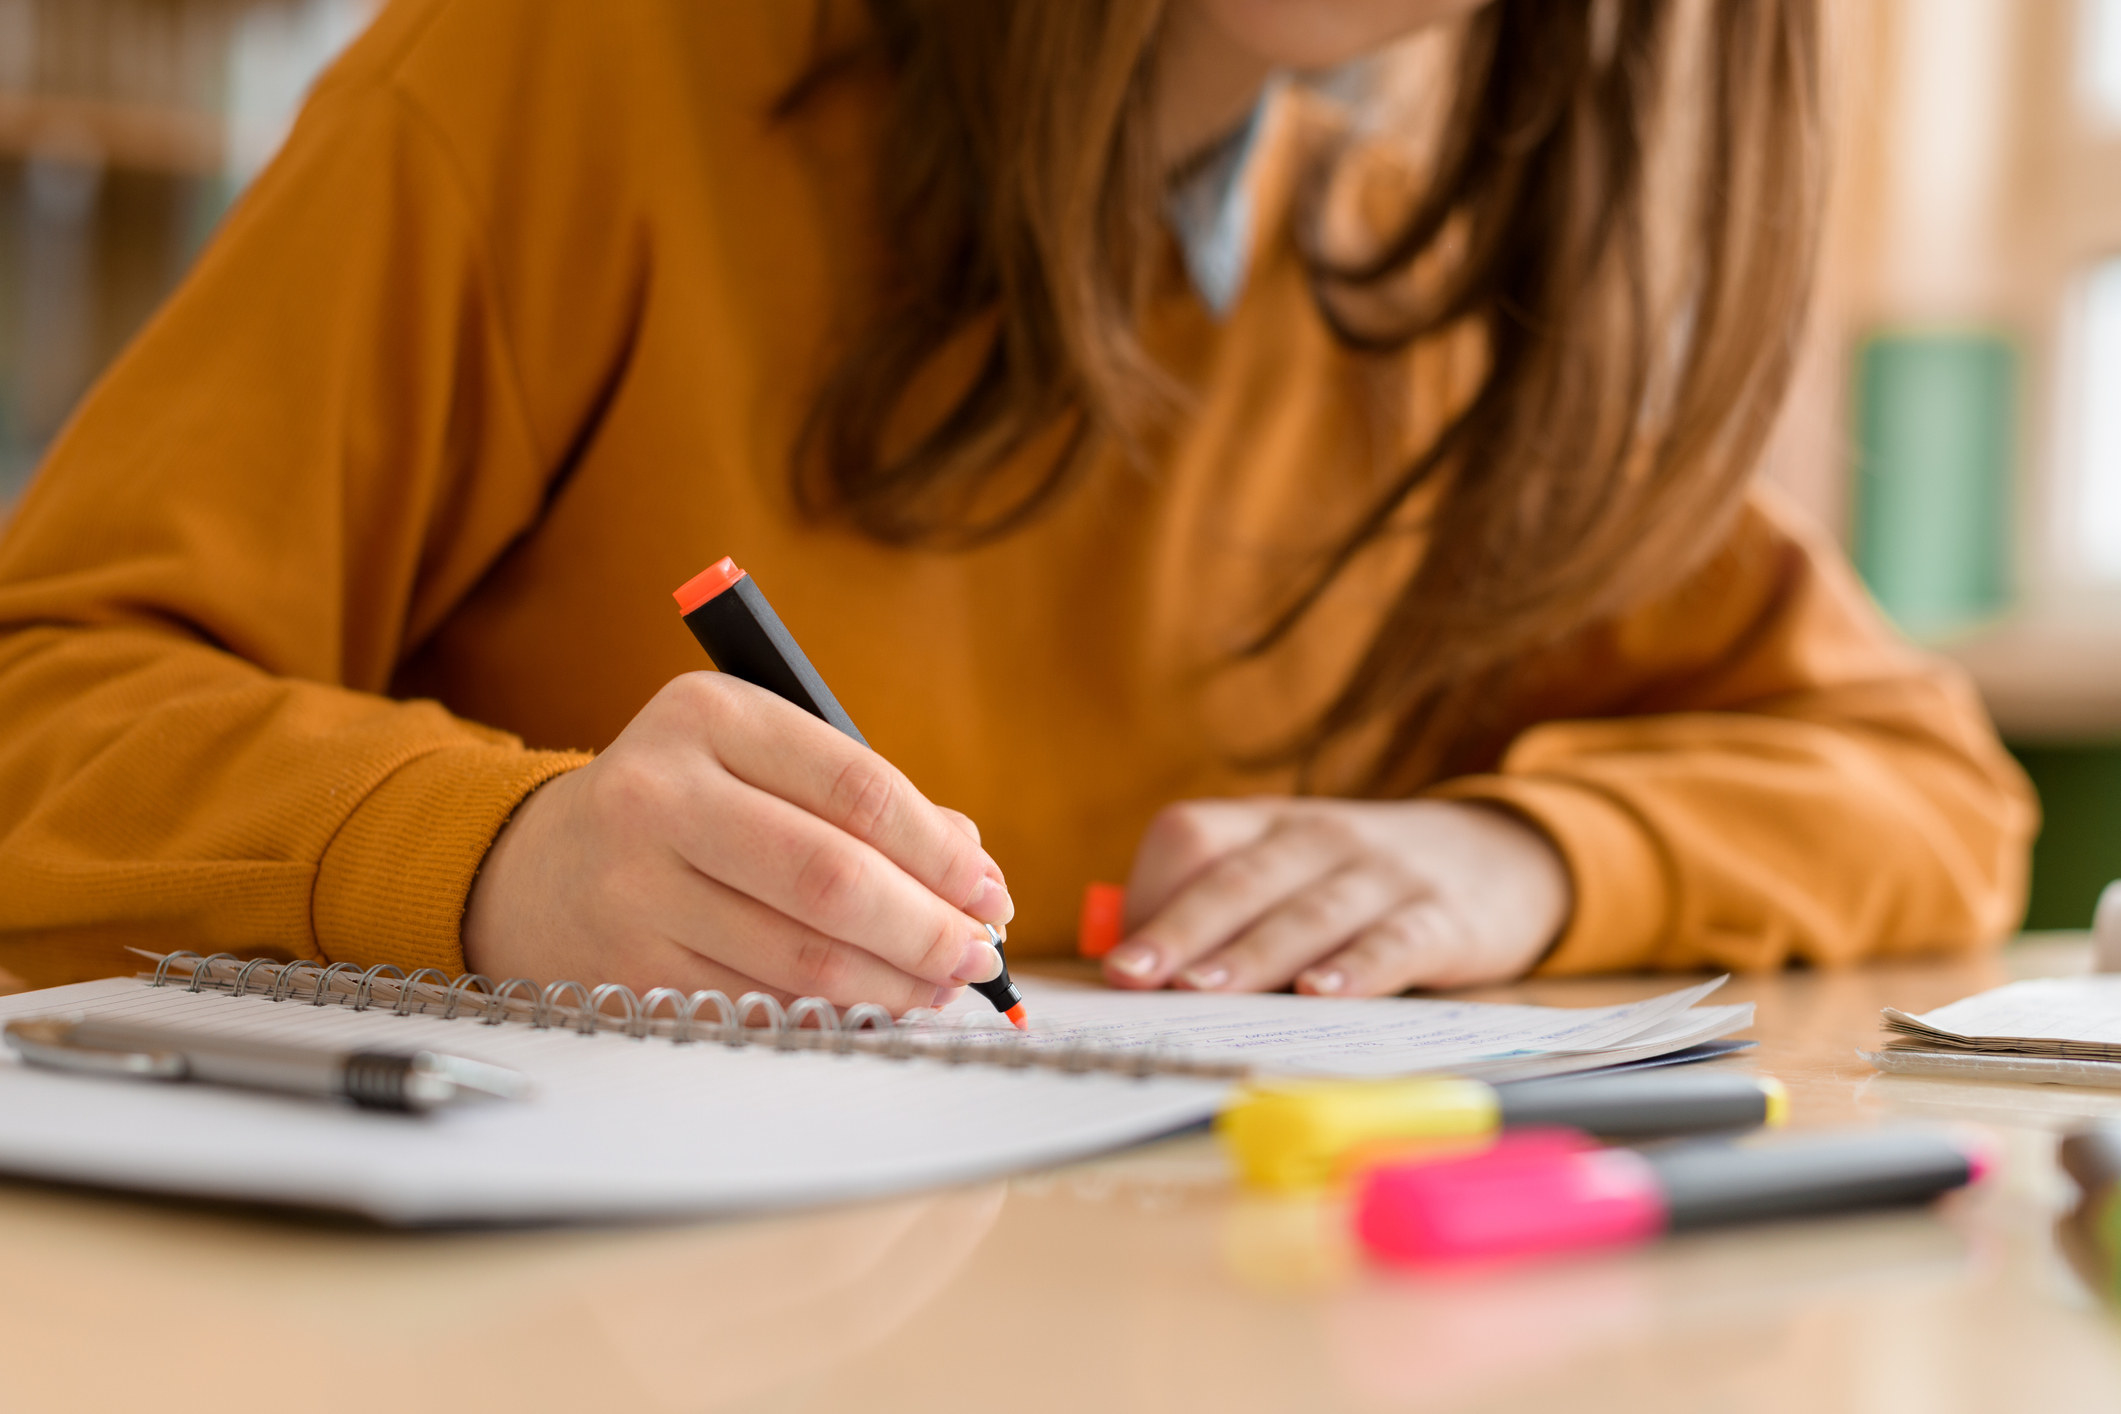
[{"x": 50, "y": 1041}]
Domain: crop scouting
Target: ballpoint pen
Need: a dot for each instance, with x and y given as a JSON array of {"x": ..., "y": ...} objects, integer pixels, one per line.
[
  {"x": 414, "y": 1081},
  {"x": 732, "y": 620}
]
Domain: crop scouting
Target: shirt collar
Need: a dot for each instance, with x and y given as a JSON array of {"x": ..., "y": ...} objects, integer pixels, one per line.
[{"x": 1210, "y": 211}]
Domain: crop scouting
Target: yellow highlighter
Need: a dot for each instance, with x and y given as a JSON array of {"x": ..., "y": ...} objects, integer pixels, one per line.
[{"x": 1305, "y": 1134}]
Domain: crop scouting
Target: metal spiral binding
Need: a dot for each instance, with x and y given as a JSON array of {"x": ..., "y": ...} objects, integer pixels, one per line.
[{"x": 808, "y": 1024}]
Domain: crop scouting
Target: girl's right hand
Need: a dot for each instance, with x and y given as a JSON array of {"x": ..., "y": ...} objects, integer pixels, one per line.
[{"x": 730, "y": 839}]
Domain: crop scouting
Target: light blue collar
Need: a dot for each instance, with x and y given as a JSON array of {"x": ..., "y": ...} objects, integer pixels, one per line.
[{"x": 1210, "y": 211}]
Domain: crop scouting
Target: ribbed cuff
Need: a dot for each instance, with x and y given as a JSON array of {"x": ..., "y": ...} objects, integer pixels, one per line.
[
  {"x": 1623, "y": 901},
  {"x": 393, "y": 883}
]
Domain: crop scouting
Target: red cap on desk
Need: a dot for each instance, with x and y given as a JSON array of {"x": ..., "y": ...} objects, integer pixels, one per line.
[{"x": 1104, "y": 920}]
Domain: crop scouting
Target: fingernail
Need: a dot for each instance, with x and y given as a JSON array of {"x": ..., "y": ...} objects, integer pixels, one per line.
[
  {"x": 1205, "y": 979},
  {"x": 1132, "y": 959},
  {"x": 990, "y": 902},
  {"x": 1325, "y": 982},
  {"x": 979, "y": 962}
]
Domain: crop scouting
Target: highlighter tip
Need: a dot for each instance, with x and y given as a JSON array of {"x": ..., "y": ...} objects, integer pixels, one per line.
[{"x": 1016, "y": 1017}]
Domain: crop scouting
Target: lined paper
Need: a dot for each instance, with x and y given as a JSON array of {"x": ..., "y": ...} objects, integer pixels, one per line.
[
  {"x": 1351, "y": 1037},
  {"x": 2064, "y": 1018}
]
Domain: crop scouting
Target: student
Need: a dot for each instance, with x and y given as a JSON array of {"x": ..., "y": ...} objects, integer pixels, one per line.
[{"x": 1332, "y": 515}]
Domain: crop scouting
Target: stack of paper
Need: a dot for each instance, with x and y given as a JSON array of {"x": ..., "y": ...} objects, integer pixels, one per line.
[{"x": 2059, "y": 1030}]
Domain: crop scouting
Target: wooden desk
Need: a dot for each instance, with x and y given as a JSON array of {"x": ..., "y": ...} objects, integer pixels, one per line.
[{"x": 1141, "y": 1282}]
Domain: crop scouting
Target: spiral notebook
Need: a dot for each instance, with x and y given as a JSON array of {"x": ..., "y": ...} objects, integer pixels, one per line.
[{"x": 667, "y": 1104}]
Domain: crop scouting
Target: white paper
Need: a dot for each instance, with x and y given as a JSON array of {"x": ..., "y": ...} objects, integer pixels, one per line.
[
  {"x": 2026, "y": 1070},
  {"x": 2069, "y": 1010},
  {"x": 625, "y": 1127},
  {"x": 618, "y": 1127},
  {"x": 1332, "y": 1036}
]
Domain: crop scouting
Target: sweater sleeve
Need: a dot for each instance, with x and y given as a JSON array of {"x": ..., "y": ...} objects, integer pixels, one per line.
[
  {"x": 1769, "y": 776},
  {"x": 284, "y": 485}
]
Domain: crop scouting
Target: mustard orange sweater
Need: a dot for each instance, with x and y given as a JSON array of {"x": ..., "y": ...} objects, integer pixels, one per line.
[{"x": 375, "y": 527}]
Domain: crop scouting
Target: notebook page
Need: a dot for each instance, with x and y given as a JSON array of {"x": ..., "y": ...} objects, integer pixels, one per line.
[
  {"x": 2082, "y": 1009},
  {"x": 618, "y": 1128},
  {"x": 1334, "y": 1036},
  {"x": 1683, "y": 1032}
]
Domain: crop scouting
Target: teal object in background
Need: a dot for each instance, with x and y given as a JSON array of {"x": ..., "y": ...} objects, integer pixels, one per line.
[{"x": 1936, "y": 445}]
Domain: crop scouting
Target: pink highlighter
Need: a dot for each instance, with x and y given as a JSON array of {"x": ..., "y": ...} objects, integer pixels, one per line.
[{"x": 1557, "y": 1191}]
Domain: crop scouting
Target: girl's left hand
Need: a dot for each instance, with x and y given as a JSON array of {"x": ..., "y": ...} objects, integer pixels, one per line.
[{"x": 1342, "y": 898}]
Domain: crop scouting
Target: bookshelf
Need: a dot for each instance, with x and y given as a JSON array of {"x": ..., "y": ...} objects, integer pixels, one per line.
[{"x": 126, "y": 127}]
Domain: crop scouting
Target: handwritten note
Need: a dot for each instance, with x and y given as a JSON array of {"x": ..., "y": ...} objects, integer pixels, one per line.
[{"x": 1371, "y": 1037}]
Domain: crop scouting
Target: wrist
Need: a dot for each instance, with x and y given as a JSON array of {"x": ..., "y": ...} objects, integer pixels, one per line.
[
  {"x": 501, "y": 908},
  {"x": 1621, "y": 892},
  {"x": 394, "y": 882},
  {"x": 1546, "y": 881}
]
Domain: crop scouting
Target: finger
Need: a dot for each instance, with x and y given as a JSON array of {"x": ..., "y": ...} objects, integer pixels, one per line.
[
  {"x": 1185, "y": 839},
  {"x": 964, "y": 822},
  {"x": 643, "y": 961},
  {"x": 1310, "y": 924},
  {"x": 784, "y": 751},
  {"x": 834, "y": 885},
  {"x": 1227, "y": 897},
  {"x": 1421, "y": 944},
  {"x": 646, "y": 961},
  {"x": 666, "y": 964},
  {"x": 789, "y": 959}
]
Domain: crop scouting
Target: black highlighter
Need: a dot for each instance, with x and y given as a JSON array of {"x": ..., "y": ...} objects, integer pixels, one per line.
[{"x": 728, "y": 614}]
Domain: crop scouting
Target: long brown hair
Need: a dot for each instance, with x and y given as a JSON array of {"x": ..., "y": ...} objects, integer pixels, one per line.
[{"x": 1630, "y": 381}]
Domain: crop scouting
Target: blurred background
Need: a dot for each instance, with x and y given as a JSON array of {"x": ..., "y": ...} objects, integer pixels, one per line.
[
  {"x": 1957, "y": 420},
  {"x": 126, "y": 129}
]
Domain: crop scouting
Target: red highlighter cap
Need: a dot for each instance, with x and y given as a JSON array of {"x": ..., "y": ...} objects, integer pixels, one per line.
[
  {"x": 1103, "y": 921},
  {"x": 1529, "y": 1193},
  {"x": 706, "y": 584}
]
